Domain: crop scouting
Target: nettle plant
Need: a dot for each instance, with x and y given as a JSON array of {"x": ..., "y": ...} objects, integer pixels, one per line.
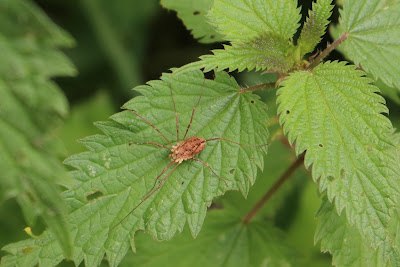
[{"x": 329, "y": 112}]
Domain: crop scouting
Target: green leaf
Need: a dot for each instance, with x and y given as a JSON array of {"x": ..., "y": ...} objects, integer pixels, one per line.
[
  {"x": 31, "y": 106},
  {"x": 224, "y": 241},
  {"x": 113, "y": 177},
  {"x": 242, "y": 20},
  {"x": 269, "y": 51},
  {"x": 315, "y": 26},
  {"x": 334, "y": 114},
  {"x": 338, "y": 237},
  {"x": 390, "y": 92},
  {"x": 260, "y": 33},
  {"x": 374, "y": 37},
  {"x": 193, "y": 14}
]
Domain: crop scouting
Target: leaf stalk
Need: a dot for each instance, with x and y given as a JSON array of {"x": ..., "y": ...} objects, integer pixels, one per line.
[
  {"x": 273, "y": 189},
  {"x": 327, "y": 51}
]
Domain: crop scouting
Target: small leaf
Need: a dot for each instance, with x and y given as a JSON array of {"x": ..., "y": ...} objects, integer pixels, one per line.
[
  {"x": 242, "y": 20},
  {"x": 269, "y": 51},
  {"x": 224, "y": 241},
  {"x": 315, "y": 26},
  {"x": 334, "y": 114},
  {"x": 374, "y": 37},
  {"x": 31, "y": 106},
  {"x": 338, "y": 237},
  {"x": 193, "y": 14}
]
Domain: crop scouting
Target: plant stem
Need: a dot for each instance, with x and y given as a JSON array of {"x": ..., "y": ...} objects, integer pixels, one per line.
[
  {"x": 327, "y": 50},
  {"x": 273, "y": 189},
  {"x": 258, "y": 87},
  {"x": 122, "y": 61}
]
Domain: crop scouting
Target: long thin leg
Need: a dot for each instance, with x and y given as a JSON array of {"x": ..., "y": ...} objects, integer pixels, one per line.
[
  {"x": 158, "y": 177},
  {"x": 152, "y": 125},
  {"x": 148, "y": 195},
  {"x": 206, "y": 164},
  {"x": 176, "y": 116},
  {"x": 149, "y": 143},
  {"x": 221, "y": 138},
  {"x": 194, "y": 109}
]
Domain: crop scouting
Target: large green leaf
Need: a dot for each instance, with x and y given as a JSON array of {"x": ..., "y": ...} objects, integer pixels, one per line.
[
  {"x": 193, "y": 14},
  {"x": 224, "y": 241},
  {"x": 373, "y": 27},
  {"x": 334, "y": 114},
  {"x": 113, "y": 177},
  {"x": 31, "y": 106}
]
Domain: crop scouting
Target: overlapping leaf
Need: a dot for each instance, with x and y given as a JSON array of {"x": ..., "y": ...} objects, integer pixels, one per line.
[
  {"x": 241, "y": 20},
  {"x": 373, "y": 27},
  {"x": 334, "y": 114},
  {"x": 338, "y": 237},
  {"x": 315, "y": 26},
  {"x": 260, "y": 33},
  {"x": 267, "y": 51},
  {"x": 193, "y": 14},
  {"x": 114, "y": 176},
  {"x": 224, "y": 241},
  {"x": 31, "y": 106}
]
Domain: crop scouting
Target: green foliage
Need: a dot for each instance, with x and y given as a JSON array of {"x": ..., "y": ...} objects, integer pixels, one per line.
[
  {"x": 267, "y": 51},
  {"x": 351, "y": 153},
  {"x": 31, "y": 106},
  {"x": 373, "y": 27},
  {"x": 193, "y": 13},
  {"x": 240, "y": 21},
  {"x": 315, "y": 26},
  {"x": 329, "y": 111},
  {"x": 338, "y": 237},
  {"x": 222, "y": 112},
  {"x": 257, "y": 41},
  {"x": 220, "y": 243}
]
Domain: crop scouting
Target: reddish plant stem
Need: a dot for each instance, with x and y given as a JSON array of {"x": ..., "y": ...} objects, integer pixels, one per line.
[
  {"x": 273, "y": 189},
  {"x": 327, "y": 50},
  {"x": 258, "y": 87}
]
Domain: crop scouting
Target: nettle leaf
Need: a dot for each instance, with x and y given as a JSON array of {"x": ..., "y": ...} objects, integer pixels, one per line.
[
  {"x": 267, "y": 51},
  {"x": 315, "y": 26},
  {"x": 193, "y": 14},
  {"x": 241, "y": 20},
  {"x": 374, "y": 37},
  {"x": 334, "y": 114},
  {"x": 224, "y": 241},
  {"x": 31, "y": 106},
  {"x": 338, "y": 237},
  {"x": 114, "y": 177},
  {"x": 260, "y": 33}
]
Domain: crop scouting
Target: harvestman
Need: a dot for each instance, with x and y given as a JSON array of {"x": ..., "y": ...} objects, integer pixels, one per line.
[{"x": 182, "y": 151}]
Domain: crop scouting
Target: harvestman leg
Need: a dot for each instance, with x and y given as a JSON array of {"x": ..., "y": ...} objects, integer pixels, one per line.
[
  {"x": 149, "y": 194},
  {"x": 208, "y": 166},
  {"x": 194, "y": 109}
]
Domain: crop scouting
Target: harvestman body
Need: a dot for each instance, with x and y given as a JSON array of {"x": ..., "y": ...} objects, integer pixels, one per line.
[{"x": 182, "y": 151}]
